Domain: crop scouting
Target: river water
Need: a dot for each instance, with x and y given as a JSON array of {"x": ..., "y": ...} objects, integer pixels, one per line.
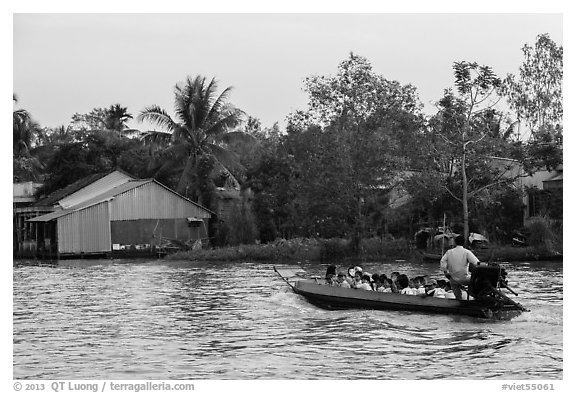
[{"x": 121, "y": 319}]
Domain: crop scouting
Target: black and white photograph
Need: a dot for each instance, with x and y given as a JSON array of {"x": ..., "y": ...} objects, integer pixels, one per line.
[{"x": 358, "y": 198}]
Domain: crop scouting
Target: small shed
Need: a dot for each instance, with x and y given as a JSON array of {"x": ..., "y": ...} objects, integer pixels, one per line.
[{"x": 136, "y": 215}]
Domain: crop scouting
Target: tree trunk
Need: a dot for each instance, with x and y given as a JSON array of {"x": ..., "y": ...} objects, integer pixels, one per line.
[
  {"x": 358, "y": 230},
  {"x": 185, "y": 177},
  {"x": 465, "y": 198}
]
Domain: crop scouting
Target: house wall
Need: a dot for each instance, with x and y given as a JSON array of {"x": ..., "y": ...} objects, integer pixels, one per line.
[
  {"x": 86, "y": 230},
  {"x": 152, "y": 231},
  {"x": 24, "y": 192},
  {"x": 142, "y": 215},
  {"x": 537, "y": 180},
  {"x": 153, "y": 201}
]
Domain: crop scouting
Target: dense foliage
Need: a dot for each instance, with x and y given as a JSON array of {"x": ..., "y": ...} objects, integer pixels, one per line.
[{"x": 361, "y": 161}]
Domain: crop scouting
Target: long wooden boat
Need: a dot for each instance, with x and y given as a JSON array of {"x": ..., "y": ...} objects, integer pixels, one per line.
[{"x": 329, "y": 297}]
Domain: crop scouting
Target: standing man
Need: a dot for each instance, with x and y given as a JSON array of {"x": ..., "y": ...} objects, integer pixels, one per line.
[{"x": 455, "y": 264}]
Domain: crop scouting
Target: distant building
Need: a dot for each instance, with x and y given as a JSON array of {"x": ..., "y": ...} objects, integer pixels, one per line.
[
  {"x": 544, "y": 194},
  {"x": 23, "y": 199},
  {"x": 542, "y": 190},
  {"x": 108, "y": 214}
]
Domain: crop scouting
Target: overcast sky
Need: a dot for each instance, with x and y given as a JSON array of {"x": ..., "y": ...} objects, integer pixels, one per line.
[{"x": 68, "y": 63}]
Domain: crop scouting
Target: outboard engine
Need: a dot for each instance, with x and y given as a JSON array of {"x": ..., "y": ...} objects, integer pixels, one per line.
[
  {"x": 485, "y": 283},
  {"x": 486, "y": 278}
]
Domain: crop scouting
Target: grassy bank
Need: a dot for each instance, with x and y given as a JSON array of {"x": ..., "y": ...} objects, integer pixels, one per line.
[
  {"x": 338, "y": 250},
  {"x": 326, "y": 250},
  {"x": 302, "y": 249},
  {"x": 511, "y": 254}
]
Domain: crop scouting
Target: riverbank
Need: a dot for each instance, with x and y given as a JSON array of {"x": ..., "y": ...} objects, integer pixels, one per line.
[{"x": 324, "y": 250}]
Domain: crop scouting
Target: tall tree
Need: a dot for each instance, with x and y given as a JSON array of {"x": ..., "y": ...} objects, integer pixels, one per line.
[
  {"x": 203, "y": 126},
  {"x": 536, "y": 97},
  {"x": 25, "y": 133},
  {"x": 466, "y": 124},
  {"x": 113, "y": 118},
  {"x": 94, "y": 152},
  {"x": 536, "y": 94},
  {"x": 363, "y": 117}
]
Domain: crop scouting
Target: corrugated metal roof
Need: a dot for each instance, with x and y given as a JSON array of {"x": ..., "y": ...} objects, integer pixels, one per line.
[
  {"x": 50, "y": 216},
  {"x": 107, "y": 195},
  {"x": 63, "y": 193},
  {"x": 558, "y": 177},
  {"x": 104, "y": 184}
]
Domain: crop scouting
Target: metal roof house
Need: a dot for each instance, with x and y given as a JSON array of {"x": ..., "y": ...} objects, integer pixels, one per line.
[{"x": 116, "y": 214}]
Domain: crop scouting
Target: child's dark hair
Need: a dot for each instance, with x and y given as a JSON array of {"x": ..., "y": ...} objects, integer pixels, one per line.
[
  {"x": 330, "y": 271},
  {"x": 402, "y": 281}
]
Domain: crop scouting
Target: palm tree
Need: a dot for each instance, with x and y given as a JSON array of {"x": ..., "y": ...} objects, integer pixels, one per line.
[
  {"x": 25, "y": 166},
  {"x": 24, "y": 131},
  {"x": 116, "y": 118},
  {"x": 203, "y": 128},
  {"x": 113, "y": 118}
]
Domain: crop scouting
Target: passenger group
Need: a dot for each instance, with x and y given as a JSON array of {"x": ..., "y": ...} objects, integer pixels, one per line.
[
  {"x": 457, "y": 265},
  {"x": 396, "y": 283}
]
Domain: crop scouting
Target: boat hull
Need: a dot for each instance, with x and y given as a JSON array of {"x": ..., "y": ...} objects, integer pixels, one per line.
[{"x": 341, "y": 298}]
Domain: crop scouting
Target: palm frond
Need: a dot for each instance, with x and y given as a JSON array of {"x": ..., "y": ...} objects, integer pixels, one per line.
[
  {"x": 130, "y": 131},
  {"x": 228, "y": 159},
  {"x": 230, "y": 119},
  {"x": 239, "y": 137},
  {"x": 216, "y": 105},
  {"x": 155, "y": 137},
  {"x": 189, "y": 101},
  {"x": 231, "y": 180},
  {"x": 181, "y": 103},
  {"x": 158, "y": 116},
  {"x": 169, "y": 160}
]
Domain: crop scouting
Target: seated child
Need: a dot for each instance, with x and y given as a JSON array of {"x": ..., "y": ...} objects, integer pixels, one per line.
[
  {"x": 375, "y": 281},
  {"x": 419, "y": 285},
  {"x": 365, "y": 283},
  {"x": 357, "y": 280},
  {"x": 432, "y": 289},
  {"x": 341, "y": 281},
  {"x": 448, "y": 293},
  {"x": 404, "y": 285},
  {"x": 437, "y": 289},
  {"x": 384, "y": 287},
  {"x": 350, "y": 276},
  {"x": 331, "y": 275}
]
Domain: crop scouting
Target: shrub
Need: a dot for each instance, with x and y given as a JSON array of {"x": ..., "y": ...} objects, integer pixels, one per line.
[
  {"x": 544, "y": 234},
  {"x": 335, "y": 249},
  {"x": 377, "y": 248},
  {"x": 242, "y": 225}
]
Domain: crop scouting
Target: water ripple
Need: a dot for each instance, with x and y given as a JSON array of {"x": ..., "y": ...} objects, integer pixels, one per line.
[{"x": 183, "y": 320}]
